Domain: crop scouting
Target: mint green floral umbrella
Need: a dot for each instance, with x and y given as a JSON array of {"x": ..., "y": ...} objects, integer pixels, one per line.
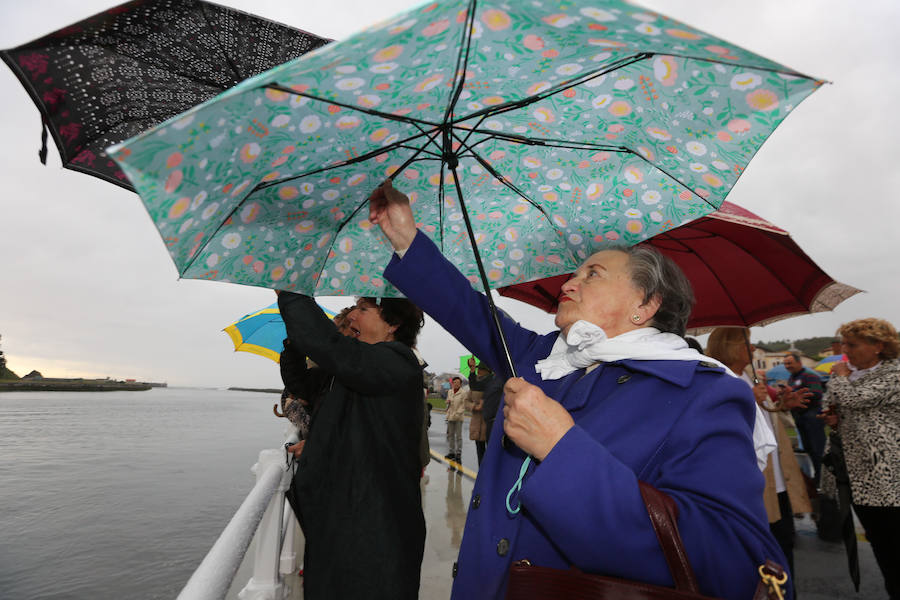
[{"x": 542, "y": 131}]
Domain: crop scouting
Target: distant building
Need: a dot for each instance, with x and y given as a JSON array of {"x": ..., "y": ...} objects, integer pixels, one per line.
[
  {"x": 764, "y": 359},
  {"x": 831, "y": 349}
]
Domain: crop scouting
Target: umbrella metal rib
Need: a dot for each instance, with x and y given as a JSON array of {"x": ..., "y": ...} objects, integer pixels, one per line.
[
  {"x": 505, "y": 181},
  {"x": 565, "y": 85},
  {"x": 362, "y": 109},
  {"x": 237, "y": 74},
  {"x": 462, "y": 61},
  {"x": 168, "y": 65},
  {"x": 487, "y": 288},
  {"x": 344, "y": 163},
  {"x": 743, "y": 249},
  {"x": 261, "y": 186},
  {"x": 366, "y": 200},
  {"x": 774, "y": 275},
  {"x": 341, "y": 164}
]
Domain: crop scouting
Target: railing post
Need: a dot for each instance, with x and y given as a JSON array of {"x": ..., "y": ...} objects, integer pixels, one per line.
[
  {"x": 288, "y": 553},
  {"x": 267, "y": 583}
]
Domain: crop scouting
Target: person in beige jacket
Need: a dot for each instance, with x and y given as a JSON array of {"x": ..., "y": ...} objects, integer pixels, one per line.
[{"x": 456, "y": 410}]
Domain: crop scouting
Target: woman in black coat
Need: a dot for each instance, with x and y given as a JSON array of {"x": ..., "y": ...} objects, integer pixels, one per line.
[{"x": 356, "y": 491}]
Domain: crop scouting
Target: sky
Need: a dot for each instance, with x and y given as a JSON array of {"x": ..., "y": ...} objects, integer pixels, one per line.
[{"x": 87, "y": 288}]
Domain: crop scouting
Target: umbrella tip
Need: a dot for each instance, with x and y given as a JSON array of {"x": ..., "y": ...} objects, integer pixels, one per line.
[{"x": 42, "y": 153}]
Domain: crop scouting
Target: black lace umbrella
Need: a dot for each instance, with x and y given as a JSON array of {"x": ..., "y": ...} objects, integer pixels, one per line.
[{"x": 107, "y": 78}]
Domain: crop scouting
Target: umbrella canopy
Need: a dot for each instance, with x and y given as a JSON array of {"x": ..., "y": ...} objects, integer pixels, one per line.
[
  {"x": 107, "y": 78},
  {"x": 825, "y": 365},
  {"x": 744, "y": 270},
  {"x": 777, "y": 373},
  {"x": 538, "y": 132},
  {"x": 262, "y": 332}
]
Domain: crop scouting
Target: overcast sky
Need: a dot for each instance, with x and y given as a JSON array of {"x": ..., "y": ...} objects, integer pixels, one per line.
[{"x": 87, "y": 288}]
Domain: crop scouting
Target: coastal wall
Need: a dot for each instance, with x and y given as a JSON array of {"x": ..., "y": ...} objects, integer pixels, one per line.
[{"x": 71, "y": 385}]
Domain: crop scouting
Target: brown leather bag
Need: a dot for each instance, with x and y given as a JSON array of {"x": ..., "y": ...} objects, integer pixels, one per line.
[{"x": 531, "y": 582}]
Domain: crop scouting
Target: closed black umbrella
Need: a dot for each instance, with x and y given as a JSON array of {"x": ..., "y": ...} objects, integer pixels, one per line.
[
  {"x": 834, "y": 462},
  {"x": 107, "y": 78}
]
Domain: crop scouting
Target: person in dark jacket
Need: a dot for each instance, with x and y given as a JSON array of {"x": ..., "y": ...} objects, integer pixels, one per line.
[
  {"x": 809, "y": 426},
  {"x": 356, "y": 489}
]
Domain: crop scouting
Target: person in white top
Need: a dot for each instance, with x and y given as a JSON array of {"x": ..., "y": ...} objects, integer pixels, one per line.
[{"x": 785, "y": 492}]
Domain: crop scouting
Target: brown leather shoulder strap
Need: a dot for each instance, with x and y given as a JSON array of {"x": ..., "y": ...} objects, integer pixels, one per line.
[{"x": 664, "y": 514}]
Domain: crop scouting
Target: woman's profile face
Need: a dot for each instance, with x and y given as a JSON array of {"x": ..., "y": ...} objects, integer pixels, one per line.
[
  {"x": 860, "y": 352},
  {"x": 601, "y": 292},
  {"x": 366, "y": 325}
]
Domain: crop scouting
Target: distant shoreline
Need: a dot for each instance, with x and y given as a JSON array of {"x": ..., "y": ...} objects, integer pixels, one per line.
[
  {"x": 263, "y": 390},
  {"x": 74, "y": 385}
]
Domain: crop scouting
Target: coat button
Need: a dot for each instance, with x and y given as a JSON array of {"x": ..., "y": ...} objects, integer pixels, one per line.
[
  {"x": 455, "y": 569},
  {"x": 476, "y": 501},
  {"x": 504, "y": 442},
  {"x": 503, "y": 546},
  {"x": 623, "y": 378}
]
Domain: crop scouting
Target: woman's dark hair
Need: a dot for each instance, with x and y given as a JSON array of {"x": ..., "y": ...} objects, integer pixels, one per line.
[
  {"x": 406, "y": 316},
  {"x": 693, "y": 343},
  {"x": 657, "y": 275}
]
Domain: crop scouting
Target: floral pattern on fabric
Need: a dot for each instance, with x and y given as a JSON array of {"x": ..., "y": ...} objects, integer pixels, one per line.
[
  {"x": 576, "y": 126},
  {"x": 113, "y": 75}
]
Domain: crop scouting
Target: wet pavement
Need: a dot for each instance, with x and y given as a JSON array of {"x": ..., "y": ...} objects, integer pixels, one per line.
[{"x": 821, "y": 566}]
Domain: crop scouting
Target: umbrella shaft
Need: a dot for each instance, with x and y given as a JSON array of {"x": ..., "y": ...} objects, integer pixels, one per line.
[{"x": 484, "y": 281}]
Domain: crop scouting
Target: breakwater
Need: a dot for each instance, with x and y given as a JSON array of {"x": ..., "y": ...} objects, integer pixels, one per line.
[{"x": 72, "y": 385}]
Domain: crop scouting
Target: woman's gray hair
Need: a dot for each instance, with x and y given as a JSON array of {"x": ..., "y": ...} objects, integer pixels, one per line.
[{"x": 657, "y": 275}]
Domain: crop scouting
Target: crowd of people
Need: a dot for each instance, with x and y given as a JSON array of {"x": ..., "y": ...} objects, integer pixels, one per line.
[{"x": 567, "y": 443}]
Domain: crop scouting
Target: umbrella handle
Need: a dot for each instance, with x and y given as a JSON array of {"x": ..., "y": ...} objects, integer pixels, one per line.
[
  {"x": 487, "y": 289},
  {"x": 750, "y": 354}
]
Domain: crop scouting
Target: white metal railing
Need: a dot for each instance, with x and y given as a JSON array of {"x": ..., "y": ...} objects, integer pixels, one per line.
[{"x": 263, "y": 510}]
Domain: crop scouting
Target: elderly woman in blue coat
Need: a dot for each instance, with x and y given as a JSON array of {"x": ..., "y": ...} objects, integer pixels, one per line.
[{"x": 614, "y": 397}]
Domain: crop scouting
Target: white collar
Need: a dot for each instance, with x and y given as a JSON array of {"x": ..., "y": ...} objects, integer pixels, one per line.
[{"x": 857, "y": 373}]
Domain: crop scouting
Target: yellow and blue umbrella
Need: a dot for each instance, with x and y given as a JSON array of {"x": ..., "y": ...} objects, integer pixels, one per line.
[
  {"x": 825, "y": 365},
  {"x": 262, "y": 332}
]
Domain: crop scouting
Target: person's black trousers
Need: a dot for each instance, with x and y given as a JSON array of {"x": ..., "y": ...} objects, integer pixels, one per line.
[
  {"x": 882, "y": 525},
  {"x": 783, "y": 531},
  {"x": 812, "y": 434}
]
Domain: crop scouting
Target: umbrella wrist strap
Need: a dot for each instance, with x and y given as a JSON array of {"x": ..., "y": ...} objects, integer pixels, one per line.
[{"x": 517, "y": 487}]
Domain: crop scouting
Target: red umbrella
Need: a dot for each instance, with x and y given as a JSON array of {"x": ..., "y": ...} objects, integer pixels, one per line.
[{"x": 745, "y": 272}]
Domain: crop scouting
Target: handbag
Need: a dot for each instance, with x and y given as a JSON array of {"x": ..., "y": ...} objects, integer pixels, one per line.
[{"x": 531, "y": 582}]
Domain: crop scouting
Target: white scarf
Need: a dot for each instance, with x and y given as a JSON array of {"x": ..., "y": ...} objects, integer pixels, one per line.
[{"x": 586, "y": 344}]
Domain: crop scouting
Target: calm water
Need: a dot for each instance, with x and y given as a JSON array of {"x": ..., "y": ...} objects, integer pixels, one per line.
[{"x": 121, "y": 494}]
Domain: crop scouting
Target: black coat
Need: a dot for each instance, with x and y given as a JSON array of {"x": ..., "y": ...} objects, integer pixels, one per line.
[{"x": 356, "y": 491}]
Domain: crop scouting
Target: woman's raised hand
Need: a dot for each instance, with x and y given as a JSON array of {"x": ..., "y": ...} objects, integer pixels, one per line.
[
  {"x": 531, "y": 419},
  {"x": 840, "y": 369},
  {"x": 390, "y": 210}
]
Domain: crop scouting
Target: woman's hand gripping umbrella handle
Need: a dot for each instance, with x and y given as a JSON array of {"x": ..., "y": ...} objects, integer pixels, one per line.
[{"x": 390, "y": 210}]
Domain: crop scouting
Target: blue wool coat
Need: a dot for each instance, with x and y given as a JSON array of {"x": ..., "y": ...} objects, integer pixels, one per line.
[{"x": 683, "y": 427}]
